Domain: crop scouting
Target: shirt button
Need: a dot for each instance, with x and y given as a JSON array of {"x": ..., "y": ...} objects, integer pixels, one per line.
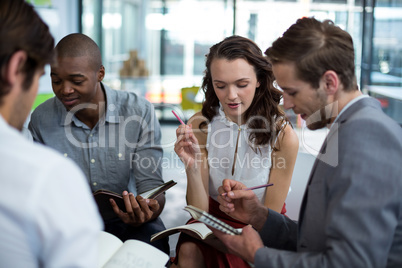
[
  {"x": 120, "y": 155},
  {"x": 65, "y": 155},
  {"x": 92, "y": 160},
  {"x": 94, "y": 184}
]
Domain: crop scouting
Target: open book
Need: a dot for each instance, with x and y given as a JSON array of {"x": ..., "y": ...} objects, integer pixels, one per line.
[
  {"x": 113, "y": 253},
  {"x": 105, "y": 208}
]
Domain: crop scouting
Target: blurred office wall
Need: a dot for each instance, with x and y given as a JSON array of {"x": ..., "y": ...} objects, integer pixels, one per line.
[{"x": 158, "y": 47}]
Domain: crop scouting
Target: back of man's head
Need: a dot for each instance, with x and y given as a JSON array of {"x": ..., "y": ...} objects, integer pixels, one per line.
[
  {"x": 316, "y": 47},
  {"x": 21, "y": 28},
  {"x": 79, "y": 45}
]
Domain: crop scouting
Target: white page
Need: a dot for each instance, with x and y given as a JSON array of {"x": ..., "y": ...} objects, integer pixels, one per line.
[
  {"x": 149, "y": 192},
  {"x": 108, "y": 245},
  {"x": 137, "y": 254}
]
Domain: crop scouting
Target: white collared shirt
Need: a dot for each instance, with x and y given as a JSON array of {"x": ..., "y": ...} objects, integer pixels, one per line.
[
  {"x": 48, "y": 217},
  {"x": 350, "y": 103}
]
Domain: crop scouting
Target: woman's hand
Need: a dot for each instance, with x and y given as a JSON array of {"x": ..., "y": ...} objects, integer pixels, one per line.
[{"x": 187, "y": 147}]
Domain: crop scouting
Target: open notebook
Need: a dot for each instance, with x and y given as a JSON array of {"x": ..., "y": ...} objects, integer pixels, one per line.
[{"x": 113, "y": 253}]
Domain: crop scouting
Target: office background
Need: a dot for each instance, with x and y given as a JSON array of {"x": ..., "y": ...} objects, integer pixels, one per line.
[{"x": 158, "y": 47}]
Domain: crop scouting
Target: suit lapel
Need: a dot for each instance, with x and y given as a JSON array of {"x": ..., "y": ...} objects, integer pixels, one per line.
[
  {"x": 313, "y": 169},
  {"x": 342, "y": 119}
]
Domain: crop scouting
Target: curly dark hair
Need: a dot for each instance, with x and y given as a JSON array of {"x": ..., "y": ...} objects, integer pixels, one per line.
[{"x": 264, "y": 117}]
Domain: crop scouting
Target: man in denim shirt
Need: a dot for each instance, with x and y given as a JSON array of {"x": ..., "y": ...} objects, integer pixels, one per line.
[{"x": 112, "y": 135}]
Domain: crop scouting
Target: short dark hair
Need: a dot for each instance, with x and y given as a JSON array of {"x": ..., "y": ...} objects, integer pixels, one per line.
[
  {"x": 79, "y": 45},
  {"x": 265, "y": 104},
  {"x": 316, "y": 47},
  {"x": 21, "y": 28}
]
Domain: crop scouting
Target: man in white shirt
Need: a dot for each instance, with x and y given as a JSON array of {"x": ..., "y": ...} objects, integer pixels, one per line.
[{"x": 42, "y": 194}]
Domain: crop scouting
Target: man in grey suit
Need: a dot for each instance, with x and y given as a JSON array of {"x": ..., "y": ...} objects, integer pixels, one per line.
[{"x": 351, "y": 213}]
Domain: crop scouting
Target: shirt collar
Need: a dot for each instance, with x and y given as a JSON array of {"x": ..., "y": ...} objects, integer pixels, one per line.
[
  {"x": 112, "y": 111},
  {"x": 2, "y": 122},
  {"x": 4, "y": 125},
  {"x": 223, "y": 118},
  {"x": 350, "y": 103}
]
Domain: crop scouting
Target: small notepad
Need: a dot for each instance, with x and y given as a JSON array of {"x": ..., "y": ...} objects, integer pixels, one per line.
[{"x": 208, "y": 219}]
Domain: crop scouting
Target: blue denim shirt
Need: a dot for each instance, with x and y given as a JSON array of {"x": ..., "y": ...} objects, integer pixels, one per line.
[{"x": 122, "y": 152}]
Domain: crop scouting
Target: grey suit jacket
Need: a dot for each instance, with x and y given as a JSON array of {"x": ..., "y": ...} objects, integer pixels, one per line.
[{"x": 351, "y": 213}]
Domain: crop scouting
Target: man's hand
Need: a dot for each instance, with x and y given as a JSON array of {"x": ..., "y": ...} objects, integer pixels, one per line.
[
  {"x": 139, "y": 210},
  {"x": 240, "y": 204},
  {"x": 245, "y": 245}
]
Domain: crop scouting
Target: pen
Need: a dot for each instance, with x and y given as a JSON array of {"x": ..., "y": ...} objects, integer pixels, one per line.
[
  {"x": 253, "y": 188},
  {"x": 178, "y": 118}
]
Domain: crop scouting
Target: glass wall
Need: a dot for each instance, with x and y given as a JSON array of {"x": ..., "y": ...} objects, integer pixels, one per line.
[
  {"x": 385, "y": 80},
  {"x": 387, "y": 44},
  {"x": 158, "y": 47},
  {"x": 62, "y": 18},
  {"x": 265, "y": 21}
]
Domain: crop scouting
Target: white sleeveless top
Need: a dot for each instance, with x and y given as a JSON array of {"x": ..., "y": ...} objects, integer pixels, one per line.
[{"x": 251, "y": 168}]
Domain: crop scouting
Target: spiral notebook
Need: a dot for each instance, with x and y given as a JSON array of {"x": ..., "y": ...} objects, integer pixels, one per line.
[{"x": 208, "y": 219}]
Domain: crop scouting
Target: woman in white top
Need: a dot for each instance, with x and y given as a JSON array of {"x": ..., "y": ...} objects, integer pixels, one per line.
[{"x": 240, "y": 134}]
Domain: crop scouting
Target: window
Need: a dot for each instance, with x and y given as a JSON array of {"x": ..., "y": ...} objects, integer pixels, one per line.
[{"x": 384, "y": 80}]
